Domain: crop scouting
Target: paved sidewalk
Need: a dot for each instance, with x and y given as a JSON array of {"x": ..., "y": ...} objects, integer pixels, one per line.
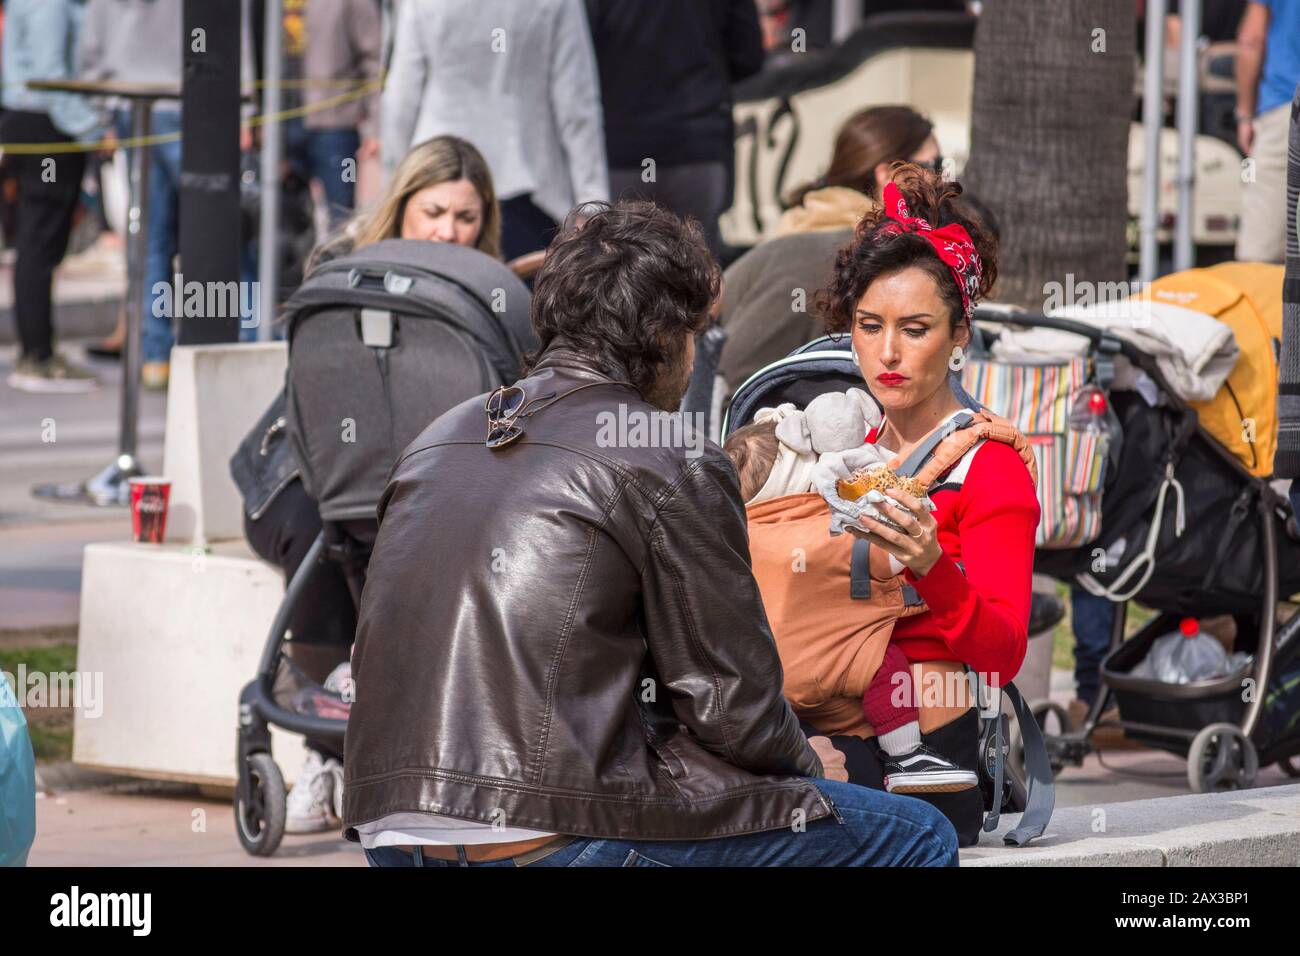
[
  {"x": 158, "y": 828},
  {"x": 1244, "y": 828},
  {"x": 41, "y": 540}
]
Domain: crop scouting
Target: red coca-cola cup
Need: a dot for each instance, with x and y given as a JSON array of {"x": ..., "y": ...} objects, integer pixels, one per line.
[{"x": 149, "y": 508}]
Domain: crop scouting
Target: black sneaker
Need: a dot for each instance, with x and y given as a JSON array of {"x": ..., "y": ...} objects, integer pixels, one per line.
[{"x": 924, "y": 771}]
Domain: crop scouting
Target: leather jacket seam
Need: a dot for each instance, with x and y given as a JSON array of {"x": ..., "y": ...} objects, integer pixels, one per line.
[
  {"x": 668, "y": 496},
  {"x": 624, "y": 474},
  {"x": 729, "y": 754},
  {"x": 760, "y": 785},
  {"x": 569, "y": 617}
]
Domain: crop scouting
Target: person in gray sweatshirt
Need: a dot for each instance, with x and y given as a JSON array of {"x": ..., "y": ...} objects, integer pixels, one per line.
[{"x": 519, "y": 81}]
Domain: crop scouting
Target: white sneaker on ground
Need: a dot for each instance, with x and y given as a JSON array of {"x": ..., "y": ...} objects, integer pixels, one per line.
[
  {"x": 54, "y": 374},
  {"x": 335, "y": 770},
  {"x": 312, "y": 797}
]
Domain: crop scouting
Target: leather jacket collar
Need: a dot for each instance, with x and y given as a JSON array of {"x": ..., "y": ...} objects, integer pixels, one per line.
[{"x": 582, "y": 365}]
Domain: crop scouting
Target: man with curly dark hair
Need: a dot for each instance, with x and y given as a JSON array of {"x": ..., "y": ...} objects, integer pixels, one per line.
[{"x": 562, "y": 656}]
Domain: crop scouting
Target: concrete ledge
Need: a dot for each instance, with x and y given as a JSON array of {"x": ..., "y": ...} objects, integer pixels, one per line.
[
  {"x": 173, "y": 633},
  {"x": 1242, "y": 828},
  {"x": 217, "y": 393}
]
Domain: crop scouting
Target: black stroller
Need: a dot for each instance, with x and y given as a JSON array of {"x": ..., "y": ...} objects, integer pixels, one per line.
[
  {"x": 381, "y": 342},
  {"x": 1187, "y": 530}
]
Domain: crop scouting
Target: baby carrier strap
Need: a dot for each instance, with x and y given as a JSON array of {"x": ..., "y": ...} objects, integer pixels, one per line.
[
  {"x": 943, "y": 448},
  {"x": 859, "y": 568},
  {"x": 1039, "y": 782},
  {"x": 935, "y": 455}
]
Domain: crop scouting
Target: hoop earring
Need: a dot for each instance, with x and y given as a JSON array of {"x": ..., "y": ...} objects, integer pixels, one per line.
[{"x": 957, "y": 360}]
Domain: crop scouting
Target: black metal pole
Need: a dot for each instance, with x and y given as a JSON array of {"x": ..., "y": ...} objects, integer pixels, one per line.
[{"x": 209, "y": 191}]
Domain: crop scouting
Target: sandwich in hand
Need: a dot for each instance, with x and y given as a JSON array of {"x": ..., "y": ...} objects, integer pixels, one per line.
[{"x": 877, "y": 478}]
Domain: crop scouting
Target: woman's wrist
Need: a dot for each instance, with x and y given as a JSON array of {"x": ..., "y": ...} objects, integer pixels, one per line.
[{"x": 921, "y": 570}]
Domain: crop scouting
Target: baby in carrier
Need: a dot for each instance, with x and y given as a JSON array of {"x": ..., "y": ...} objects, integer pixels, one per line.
[{"x": 834, "y": 649}]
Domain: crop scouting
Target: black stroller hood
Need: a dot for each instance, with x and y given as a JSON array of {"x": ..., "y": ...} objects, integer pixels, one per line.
[
  {"x": 825, "y": 364},
  {"x": 369, "y": 277},
  {"x": 382, "y": 342}
]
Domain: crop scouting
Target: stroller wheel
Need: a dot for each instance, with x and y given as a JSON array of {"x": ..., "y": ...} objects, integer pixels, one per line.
[
  {"x": 1221, "y": 758},
  {"x": 260, "y": 805}
]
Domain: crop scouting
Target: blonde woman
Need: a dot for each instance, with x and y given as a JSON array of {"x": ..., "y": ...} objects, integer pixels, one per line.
[{"x": 441, "y": 191}]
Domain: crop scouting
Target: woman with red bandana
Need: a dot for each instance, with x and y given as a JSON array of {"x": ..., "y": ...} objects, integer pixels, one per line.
[{"x": 904, "y": 288}]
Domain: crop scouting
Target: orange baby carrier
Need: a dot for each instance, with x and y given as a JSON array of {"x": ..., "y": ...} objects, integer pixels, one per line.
[{"x": 832, "y": 601}]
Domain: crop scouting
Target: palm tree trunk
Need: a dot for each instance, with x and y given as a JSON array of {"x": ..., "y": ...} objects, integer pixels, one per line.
[{"x": 1053, "y": 100}]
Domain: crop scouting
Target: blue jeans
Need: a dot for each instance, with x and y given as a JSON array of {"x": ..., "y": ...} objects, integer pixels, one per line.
[
  {"x": 161, "y": 242},
  {"x": 1093, "y": 619},
  {"x": 320, "y": 154},
  {"x": 868, "y": 828}
]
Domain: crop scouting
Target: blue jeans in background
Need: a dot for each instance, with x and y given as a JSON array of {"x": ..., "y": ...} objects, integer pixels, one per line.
[
  {"x": 868, "y": 828},
  {"x": 320, "y": 154},
  {"x": 161, "y": 241},
  {"x": 1093, "y": 619}
]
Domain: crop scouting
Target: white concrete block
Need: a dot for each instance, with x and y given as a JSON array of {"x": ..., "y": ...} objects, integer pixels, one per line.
[
  {"x": 176, "y": 636},
  {"x": 216, "y": 394}
]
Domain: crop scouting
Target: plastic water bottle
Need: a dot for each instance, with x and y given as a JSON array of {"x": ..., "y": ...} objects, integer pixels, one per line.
[
  {"x": 1088, "y": 413},
  {"x": 1196, "y": 656}
]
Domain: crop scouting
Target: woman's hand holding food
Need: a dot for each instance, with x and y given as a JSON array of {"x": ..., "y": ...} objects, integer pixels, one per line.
[{"x": 917, "y": 545}]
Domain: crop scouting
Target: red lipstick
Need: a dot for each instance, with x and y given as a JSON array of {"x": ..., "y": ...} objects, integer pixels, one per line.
[{"x": 889, "y": 379}]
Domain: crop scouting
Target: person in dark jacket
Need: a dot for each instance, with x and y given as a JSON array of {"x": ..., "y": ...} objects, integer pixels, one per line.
[
  {"x": 562, "y": 656},
  {"x": 666, "y": 71}
]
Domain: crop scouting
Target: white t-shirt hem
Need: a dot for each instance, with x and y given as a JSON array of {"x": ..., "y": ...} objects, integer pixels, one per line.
[{"x": 432, "y": 829}]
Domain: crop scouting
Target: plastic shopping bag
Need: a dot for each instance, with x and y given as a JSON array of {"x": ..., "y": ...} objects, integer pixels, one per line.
[
  {"x": 17, "y": 781},
  {"x": 1187, "y": 655}
]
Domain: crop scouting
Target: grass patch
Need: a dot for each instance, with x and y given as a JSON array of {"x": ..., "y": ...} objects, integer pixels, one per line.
[
  {"x": 50, "y": 727},
  {"x": 1063, "y": 635}
]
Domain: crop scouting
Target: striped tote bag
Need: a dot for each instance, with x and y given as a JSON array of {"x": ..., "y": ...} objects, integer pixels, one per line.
[{"x": 1037, "y": 399}]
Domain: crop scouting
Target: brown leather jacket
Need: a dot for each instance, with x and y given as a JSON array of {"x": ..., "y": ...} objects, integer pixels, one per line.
[{"x": 566, "y": 636}]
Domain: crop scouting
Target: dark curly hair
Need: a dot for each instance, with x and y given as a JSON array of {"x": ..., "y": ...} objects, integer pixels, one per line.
[
  {"x": 624, "y": 287},
  {"x": 877, "y": 250}
]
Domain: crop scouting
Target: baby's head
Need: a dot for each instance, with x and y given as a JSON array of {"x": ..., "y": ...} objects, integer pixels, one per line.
[
  {"x": 753, "y": 450},
  {"x": 788, "y": 441}
]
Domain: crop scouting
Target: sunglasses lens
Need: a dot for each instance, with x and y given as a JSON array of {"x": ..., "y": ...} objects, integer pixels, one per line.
[
  {"x": 503, "y": 435},
  {"x": 504, "y": 401}
]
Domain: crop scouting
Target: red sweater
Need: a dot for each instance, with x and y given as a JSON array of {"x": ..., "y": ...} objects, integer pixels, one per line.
[{"x": 987, "y": 521}]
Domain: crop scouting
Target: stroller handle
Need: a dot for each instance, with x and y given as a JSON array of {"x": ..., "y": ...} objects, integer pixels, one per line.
[{"x": 1097, "y": 337}]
